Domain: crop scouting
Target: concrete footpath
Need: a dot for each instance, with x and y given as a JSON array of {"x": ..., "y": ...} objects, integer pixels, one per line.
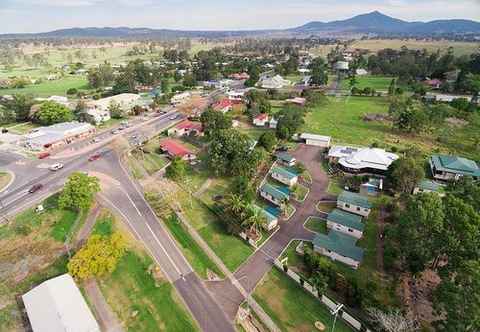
[{"x": 106, "y": 317}]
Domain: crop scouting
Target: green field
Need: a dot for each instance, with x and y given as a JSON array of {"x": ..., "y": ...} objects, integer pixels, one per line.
[
  {"x": 192, "y": 251},
  {"x": 48, "y": 88},
  {"x": 291, "y": 307},
  {"x": 379, "y": 83},
  {"x": 142, "y": 302}
]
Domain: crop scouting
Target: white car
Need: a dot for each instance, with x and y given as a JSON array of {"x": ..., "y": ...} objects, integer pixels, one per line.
[{"x": 56, "y": 167}]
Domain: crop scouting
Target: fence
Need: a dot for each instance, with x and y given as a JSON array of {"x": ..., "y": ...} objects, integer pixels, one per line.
[{"x": 329, "y": 303}]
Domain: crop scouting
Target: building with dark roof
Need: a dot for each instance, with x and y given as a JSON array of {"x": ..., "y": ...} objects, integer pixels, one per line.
[
  {"x": 345, "y": 222},
  {"x": 339, "y": 247},
  {"x": 354, "y": 203},
  {"x": 452, "y": 167}
]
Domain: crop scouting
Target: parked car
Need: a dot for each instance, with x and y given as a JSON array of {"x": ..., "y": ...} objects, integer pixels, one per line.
[
  {"x": 94, "y": 157},
  {"x": 43, "y": 155},
  {"x": 56, "y": 167},
  {"x": 35, "y": 188},
  {"x": 173, "y": 117}
]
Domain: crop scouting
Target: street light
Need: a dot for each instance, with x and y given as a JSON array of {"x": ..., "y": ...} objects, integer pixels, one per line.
[{"x": 334, "y": 312}]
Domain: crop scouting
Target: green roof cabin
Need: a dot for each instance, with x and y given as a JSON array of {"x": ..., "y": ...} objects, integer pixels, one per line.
[
  {"x": 286, "y": 158},
  {"x": 339, "y": 247},
  {"x": 452, "y": 167},
  {"x": 284, "y": 176},
  {"x": 273, "y": 194},
  {"x": 272, "y": 220},
  {"x": 354, "y": 203},
  {"x": 429, "y": 186},
  {"x": 345, "y": 222}
]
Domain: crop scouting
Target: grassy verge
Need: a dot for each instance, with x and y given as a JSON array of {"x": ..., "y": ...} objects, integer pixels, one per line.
[
  {"x": 326, "y": 207},
  {"x": 316, "y": 225},
  {"x": 291, "y": 307},
  {"x": 300, "y": 192},
  {"x": 4, "y": 179}
]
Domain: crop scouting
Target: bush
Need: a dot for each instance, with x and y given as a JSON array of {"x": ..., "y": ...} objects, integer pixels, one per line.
[{"x": 72, "y": 91}]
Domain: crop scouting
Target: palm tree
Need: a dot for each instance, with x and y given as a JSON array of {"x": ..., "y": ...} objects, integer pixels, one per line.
[
  {"x": 254, "y": 219},
  {"x": 236, "y": 205}
]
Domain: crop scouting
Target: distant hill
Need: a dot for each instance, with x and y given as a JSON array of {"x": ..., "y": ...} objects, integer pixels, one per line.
[{"x": 370, "y": 23}]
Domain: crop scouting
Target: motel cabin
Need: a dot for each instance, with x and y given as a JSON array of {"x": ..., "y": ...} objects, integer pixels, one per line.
[
  {"x": 284, "y": 176},
  {"x": 448, "y": 168},
  {"x": 345, "y": 222},
  {"x": 274, "y": 195},
  {"x": 339, "y": 247},
  {"x": 354, "y": 203},
  {"x": 286, "y": 159}
]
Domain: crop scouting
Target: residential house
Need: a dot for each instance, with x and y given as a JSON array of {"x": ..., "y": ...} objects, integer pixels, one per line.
[
  {"x": 180, "y": 98},
  {"x": 339, "y": 247},
  {"x": 57, "y": 305},
  {"x": 239, "y": 76},
  {"x": 284, "y": 176},
  {"x": 126, "y": 101},
  {"x": 361, "y": 160},
  {"x": 316, "y": 140},
  {"x": 355, "y": 203},
  {"x": 452, "y": 167},
  {"x": 271, "y": 219},
  {"x": 260, "y": 120},
  {"x": 275, "y": 82},
  {"x": 429, "y": 186},
  {"x": 345, "y": 222},
  {"x": 361, "y": 72},
  {"x": 236, "y": 96},
  {"x": 341, "y": 66},
  {"x": 175, "y": 149},
  {"x": 371, "y": 188},
  {"x": 286, "y": 159},
  {"x": 54, "y": 136},
  {"x": 225, "y": 105},
  {"x": 273, "y": 123},
  {"x": 274, "y": 194},
  {"x": 97, "y": 115},
  {"x": 186, "y": 127}
]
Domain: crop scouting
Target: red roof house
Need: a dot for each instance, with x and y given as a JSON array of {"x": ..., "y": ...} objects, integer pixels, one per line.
[
  {"x": 240, "y": 76},
  {"x": 223, "y": 105},
  {"x": 176, "y": 149},
  {"x": 186, "y": 127},
  {"x": 260, "y": 120}
]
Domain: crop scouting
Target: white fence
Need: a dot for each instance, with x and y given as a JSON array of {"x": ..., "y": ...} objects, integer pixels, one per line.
[{"x": 331, "y": 304}]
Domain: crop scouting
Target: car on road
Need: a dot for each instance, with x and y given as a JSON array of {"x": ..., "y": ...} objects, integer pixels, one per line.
[
  {"x": 94, "y": 157},
  {"x": 56, "y": 167},
  {"x": 173, "y": 117},
  {"x": 35, "y": 188}
]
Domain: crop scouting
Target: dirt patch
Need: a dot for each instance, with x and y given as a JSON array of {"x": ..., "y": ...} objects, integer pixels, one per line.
[{"x": 456, "y": 122}]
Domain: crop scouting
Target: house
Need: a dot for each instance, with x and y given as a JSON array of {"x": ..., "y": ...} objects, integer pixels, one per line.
[
  {"x": 339, "y": 247},
  {"x": 97, "y": 115},
  {"x": 273, "y": 123},
  {"x": 275, "y": 82},
  {"x": 284, "y": 176},
  {"x": 175, "y": 149},
  {"x": 371, "y": 188},
  {"x": 429, "y": 186},
  {"x": 180, "y": 98},
  {"x": 126, "y": 101},
  {"x": 444, "y": 98},
  {"x": 57, "y": 305},
  {"x": 355, "y": 203},
  {"x": 225, "y": 105},
  {"x": 341, "y": 65},
  {"x": 186, "y": 127},
  {"x": 361, "y": 72},
  {"x": 260, "y": 120},
  {"x": 236, "y": 96},
  {"x": 271, "y": 219},
  {"x": 297, "y": 101},
  {"x": 452, "y": 167},
  {"x": 345, "y": 222},
  {"x": 54, "y": 136},
  {"x": 286, "y": 159},
  {"x": 273, "y": 194},
  {"x": 239, "y": 76},
  {"x": 316, "y": 140},
  {"x": 361, "y": 160}
]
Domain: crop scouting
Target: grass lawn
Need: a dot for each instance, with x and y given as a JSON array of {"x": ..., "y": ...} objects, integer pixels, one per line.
[
  {"x": 326, "y": 207},
  {"x": 22, "y": 128},
  {"x": 291, "y": 307},
  {"x": 295, "y": 261},
  {"x": 4, "y": 179},
  {"x": 375, "y": 82},
  {"x": 141, "y": 301},
  {"x": 48, "y": 88},
  {"x": 317, "y": 225},
  {"x": 192, "y": 251},
  {"x": 254, "y": 133},
  {"x": 63, "y": 227},
  {"x": 300, "y": 192},
  {"x": 104, "y": 223}
]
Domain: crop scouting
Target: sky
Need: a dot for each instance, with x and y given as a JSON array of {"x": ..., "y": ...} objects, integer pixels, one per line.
[{"x": 47, "y": 15}]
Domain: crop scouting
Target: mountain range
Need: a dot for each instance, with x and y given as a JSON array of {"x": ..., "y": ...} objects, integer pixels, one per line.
[{"x": 370, "y": 23}]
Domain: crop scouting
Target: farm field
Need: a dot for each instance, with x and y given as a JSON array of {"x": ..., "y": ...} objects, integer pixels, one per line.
[
  {"x": 48, "y": 88},
  {"x": 291, "y": 307},
  {"x": 342, "y": 119}
]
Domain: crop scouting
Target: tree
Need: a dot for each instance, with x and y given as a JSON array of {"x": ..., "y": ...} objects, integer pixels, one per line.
[
  {"x": 98, "y": 257},
  {"x": 290, "y": 120},
  {"x": 254, "y": 73},
  {"x": 213, "y": 122},
  {"x": 268, "y": 141},
  {"x": 461, "y": 104},
  {"x": 101, "y": 76},
  {"x": 177, "y": 169},
  {"x": 79, "y": 192},
  {"x": 20, "y": 104},
  {"x": 411, "y": 118},
  {"x": 6, "y": 116},
  {"x": 458, "y": 297},
  {"x": 116, "y": 111},
  {"x": 318, "y": 71},
  {"x": 319, "y": 281},
  {"x": 393, "y": 321},
  {"x": 165, "y": 86},
  {"x": 241, "y": 186},
  {"x": 392, "y": 88},
  {"x": 254, "y": 219},
  {"x": 404, "y": 174},
  {"x": 51, "y": 112},
  {"x": 236, "y": 206},
  {"x": 189, "y": 81}
]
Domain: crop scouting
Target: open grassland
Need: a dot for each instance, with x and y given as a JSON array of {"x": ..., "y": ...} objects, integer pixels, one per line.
[
  {"x": 379, "y": 83},
  {"x": 48, "y": 88},
  {"x": 342, "y": 119},
  {"x": 291, "y": 307},
  {"x": 459, "y": 48}
]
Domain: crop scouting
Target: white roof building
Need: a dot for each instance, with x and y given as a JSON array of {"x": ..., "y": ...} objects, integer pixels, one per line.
[
  {"x": 275, "y": 82},
  {"x": 317, "y": 140},
  {"x": 180, "y": 98},
  {"x": 125, "y": 100},
  {"x": 358, "y": 159},
  {"x": 57, "y": 305}
]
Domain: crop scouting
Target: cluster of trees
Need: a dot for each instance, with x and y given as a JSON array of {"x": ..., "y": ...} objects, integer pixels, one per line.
[
  {"x": 101, "y": 76},
  {"x": 241, "y": 213},
  {"x": 51, "y": 112},
  {"x": 443, "y": 234},
  {"x": 318, "y": 71},
  {"x": 290, "y": 120},
  {"x": 257, "y": 103},
  {"x": 79, "y": 192}
]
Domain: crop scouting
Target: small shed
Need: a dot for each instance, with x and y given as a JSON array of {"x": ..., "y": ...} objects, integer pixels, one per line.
[{"x": 316, "y": 140}]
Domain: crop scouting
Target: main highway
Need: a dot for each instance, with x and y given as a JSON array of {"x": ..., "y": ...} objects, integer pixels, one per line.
[{"x": 125, "y": 197}]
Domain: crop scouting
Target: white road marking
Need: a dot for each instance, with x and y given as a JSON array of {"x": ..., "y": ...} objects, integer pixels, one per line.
[{"x": 161, "y": 246}]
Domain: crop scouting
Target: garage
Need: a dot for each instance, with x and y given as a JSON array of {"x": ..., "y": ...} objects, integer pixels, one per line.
[{"x": 316, "y": 140}]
